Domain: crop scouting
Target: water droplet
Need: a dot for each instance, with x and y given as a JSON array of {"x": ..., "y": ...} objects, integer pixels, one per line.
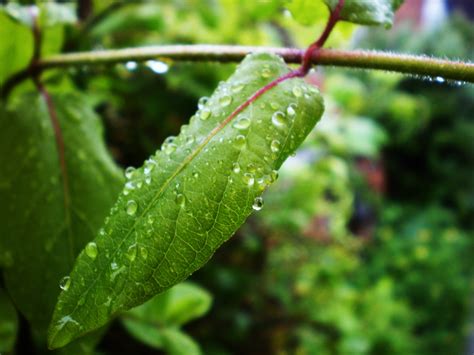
[
  {"x": 102, "y": 232},
  {"x": 132, "y": 252},
  {"x": 113, "y": 265},
  {"x": 297, "y": 91},
  {"x": 248, "y": 179},
  {"x": 143, "y": 252},
  {"x": 225, "y": 100},
  {"x": 148, "y": 180},
  {"x": 202, "y": 102},
  {"x": 91, "y": 250},
  {"x": 239, "y": 141},
  {"x": 266, "y": 73},
  {"x": 132, "y": 207},
  {"x": 139, "y": 184},
  {"x": 190, "y": 139},
  {"x": 251, "y": 168},
  {"x": 257, "y": 203},
  {"x": 180, "y": 200},
  {"x": 65, "y": 283},
  {"x": 204, "y": 114},
  {"x": 195, "y": 174},
  {"x": 149, "y": 166},
  {"x": 236, "y": 168},
  {"x": 291, "y": 110},
  {"x": 278, "y": 119},
  {"x": 150, "y": 219},
  {"x": 273, "y": 176},
  {"x": 242, "y": 123},
  {"x": 275, "y": 146},
  {"x": 169, "y": 148},
  {"x": 274, "y": 105},
  {"x": 237, "y": 88},
  {"x": 129, "y": 172}
]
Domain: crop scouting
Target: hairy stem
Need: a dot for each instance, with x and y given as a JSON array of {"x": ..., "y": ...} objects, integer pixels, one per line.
[{"x": 358, "y": 59}]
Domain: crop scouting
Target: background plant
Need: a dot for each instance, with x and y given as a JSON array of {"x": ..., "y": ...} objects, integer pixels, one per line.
[{"x": 333, "y": 287}]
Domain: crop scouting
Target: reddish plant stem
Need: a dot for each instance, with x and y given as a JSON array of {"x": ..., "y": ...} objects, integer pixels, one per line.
[
  {"x": 305, "y": 65},
  {"x": 50, "y": 106}
]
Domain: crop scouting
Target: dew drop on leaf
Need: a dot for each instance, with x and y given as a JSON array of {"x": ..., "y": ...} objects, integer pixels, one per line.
[
  {"x": 275, "y": 146},
  {"x": 180, "y": 200},
  {"x": 205, "y": 114},
  {"x": 132, "y": 252},
  {"x": 91, "y": 250},
  {"x": 257, "y": 203},
  {"x": 129, "y": 172},
  {"x": 202, "y": 102},
  {"x": 249, "y": 179},
  {"x": 143, "y": 252},
  {"x": 278, "y": 119},
  {"x": 148, "y": 180},
  {"x": 236, "y": 168},
  {"x": 242, "y": 123},
  {"x": 297, "y": 91},
  {"x": 132, "y": 207},
  {"x": 290, "y": 111},
  {"x": 239, "y": 141},
  {"x": 65, "y": 283},
  {"x": 225, "y": 100}
]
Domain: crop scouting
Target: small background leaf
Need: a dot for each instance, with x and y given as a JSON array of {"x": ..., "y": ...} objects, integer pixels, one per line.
[{"x": 156, "y": 322}]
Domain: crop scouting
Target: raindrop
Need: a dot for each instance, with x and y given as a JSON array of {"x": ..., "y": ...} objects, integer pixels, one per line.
[
  {"x": 180, "y": 200},
  {"x": 278, "y": 119},
  {"x": 273, "y": 176},
  {"x": 144, "y": 252},
  {"x": 132, "y": 207},
  {"x": 274, "y": 106},
  {"x": 297, "y": 91},
  {"x": 251, "y": 168},
  {"x": 65, "y": 283},
  {"x": 149, "y": 166},
  {"x": 291, "y": 110},
  {"x": 131, "y": 65},
  {"x": 257, "y": 203},
  {"x": 266, "y": 73},
  {"x": 239, "y": 141},
  {"x": 225, "y": 100},
  {"x": 236, "y": 168},
  {"x": 91, "y": 250},
  {"x": 150, "y": 219},
  {"x": 237, "y": 88},
  {"x": 169, "y": 148},
  {"x": 195, "y": 175},
  {"x": 132, "y": 252},
  {"x": 157, "y": 66},
  {"x": 129, "y": 172},
  {"x": 202, "y": 102},
  {"x": 249, "y": 179},
  {"x": 242, "y": 123},
  {"x": 190, "y": 139},
  {"x": 205, "y": 114},
  {"x": 148, "y": 180},
  {"x": 275, "y": 146}
]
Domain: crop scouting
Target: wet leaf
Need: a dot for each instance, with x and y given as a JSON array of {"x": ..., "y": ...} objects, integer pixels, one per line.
[
  {"x": 8, "y": 323},
  {"x": 189, "y": 197}
]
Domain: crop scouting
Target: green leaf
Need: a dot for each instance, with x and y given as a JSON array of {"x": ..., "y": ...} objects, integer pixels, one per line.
[
  {"x": 8, "y": 323},
  {"x": 307, "y": 12},
  {"x": 49, "y": 13},
  {"x": 190, "y": 197},
  {"x": 42, "y": 230},
  {"x": 368, "y": 12},
  {"x": 16, "y": 47},
  {"x": 176, "y": 342},
  {"x": 174, "y": 307},
  {"x": 153, "y": 321}
]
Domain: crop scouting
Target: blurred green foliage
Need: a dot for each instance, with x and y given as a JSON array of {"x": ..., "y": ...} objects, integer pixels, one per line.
[{"x": 364, "y": 245}]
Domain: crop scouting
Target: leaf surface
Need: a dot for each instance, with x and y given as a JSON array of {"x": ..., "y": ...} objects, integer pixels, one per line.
[
  {"x": 8, "y": 323},
  {"x": 368, "y": 12},
  {"x": 41, "y": 234},
  {"x": 190, "y": 197}
]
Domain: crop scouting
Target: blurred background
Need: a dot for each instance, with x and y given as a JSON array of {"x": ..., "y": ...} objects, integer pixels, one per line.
[{"x": 365, "y": 242}]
